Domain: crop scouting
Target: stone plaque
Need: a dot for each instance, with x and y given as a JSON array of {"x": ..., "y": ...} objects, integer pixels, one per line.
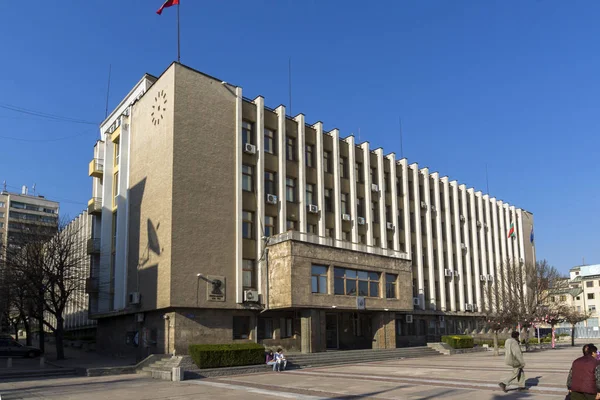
[{"x": 215, "y": 288}]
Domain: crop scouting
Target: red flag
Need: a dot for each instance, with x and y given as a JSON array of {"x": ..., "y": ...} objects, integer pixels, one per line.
[{"x": 168, "y": 3}]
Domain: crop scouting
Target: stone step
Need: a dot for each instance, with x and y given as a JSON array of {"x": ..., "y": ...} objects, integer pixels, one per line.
[
  {"x": 35, "y": 373},
  {"x": 366, "y": 356}
]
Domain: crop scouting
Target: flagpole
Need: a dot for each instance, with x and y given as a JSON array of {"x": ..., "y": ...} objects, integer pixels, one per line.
[{"x": 178, "y": 36}]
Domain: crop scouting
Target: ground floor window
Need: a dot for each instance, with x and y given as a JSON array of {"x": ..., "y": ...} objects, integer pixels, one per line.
[
  {"x": 287, "y": 327},
  {"x": 265, "y": 328},
  {"x": 241, "y": 327}
]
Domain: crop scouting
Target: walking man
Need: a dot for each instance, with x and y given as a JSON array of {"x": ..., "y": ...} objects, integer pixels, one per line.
[
  {"x": 514, "y": 358},
  {"x": 584, "y": 378}
]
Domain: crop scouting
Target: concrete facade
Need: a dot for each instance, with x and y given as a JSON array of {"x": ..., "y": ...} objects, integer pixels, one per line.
[{"x": 217, "y": 211}]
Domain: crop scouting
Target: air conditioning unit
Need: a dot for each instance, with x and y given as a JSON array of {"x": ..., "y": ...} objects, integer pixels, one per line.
[
  {"x": 479, "y": 224},
  {"x": 416, "y": 301},
  {"x": 390, "y": 226},
  {"x": 463, "y": 247},
  {"x": 374, "y": 187},
  {"x": 249, "y": 148},
  {"x": 409, "y": 319},
  {"x": 469, "y": 307},
  {"x": 462, "y": 218},
  {"x": 251, "y": 296},
  {"x": 423, "y": 205},
  {"x": 490, "y": 278},
  {"x": 521, "y": 260},
  {"x": 134, "y": 298},
  {"x": 313, "y": 209},
  {"x": 482, "y": 278},
  {"x": 346, "y": 217},
  {"x": 360, "y": 220},
  {"x": 448, "y": 272},
  {"x": 139, "y": 317},
  {"x": 456, "y": 273},
  {"x": 271, "y": 199}
]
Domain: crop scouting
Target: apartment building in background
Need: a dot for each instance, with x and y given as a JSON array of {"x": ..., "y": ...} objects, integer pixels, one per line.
[{"x": 219, "y": 219}]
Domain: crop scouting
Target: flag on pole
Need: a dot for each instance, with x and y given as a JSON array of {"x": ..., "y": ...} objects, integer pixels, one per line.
[
  {"x": 531, "y": 235},
  {"x": 168, "y": 3},
  {"x": 511, "y": 231}
]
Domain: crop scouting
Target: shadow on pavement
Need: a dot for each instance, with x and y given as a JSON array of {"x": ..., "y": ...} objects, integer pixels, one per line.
[
  {"x": 533, "y": 381},
  {"x": 42, "y": 387},
  {"x": 365, "y": 395}
]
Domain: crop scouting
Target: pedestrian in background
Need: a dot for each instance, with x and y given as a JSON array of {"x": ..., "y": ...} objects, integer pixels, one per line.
[{"x": 513, "y": 357}]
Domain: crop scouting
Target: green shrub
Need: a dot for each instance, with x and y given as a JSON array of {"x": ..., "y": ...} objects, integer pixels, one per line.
[
  {"x": 459, "y": 341},
  {"x": 547, "y": 340},
  {"x": 564, "y": 334},
  {"x": 489, "y": 342},
  {"x": 226, "y": 355}
]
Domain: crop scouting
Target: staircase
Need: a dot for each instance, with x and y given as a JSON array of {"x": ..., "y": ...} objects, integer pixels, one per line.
[
  {"x": 7, "y": 374},
  {"x": 161, "y": 369},
  {"x": 356, "y": 356}
]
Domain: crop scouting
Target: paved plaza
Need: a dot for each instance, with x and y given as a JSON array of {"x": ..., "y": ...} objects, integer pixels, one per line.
[{"x": 468, "y": 376}]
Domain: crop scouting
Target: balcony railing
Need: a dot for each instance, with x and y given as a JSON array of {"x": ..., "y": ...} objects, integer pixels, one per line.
[
  {"x": 342, "y": 244},
  {"x": 93, "y": 246},
  {"x": 96, "y": 168},
  {"x": 95, "y": 205}
]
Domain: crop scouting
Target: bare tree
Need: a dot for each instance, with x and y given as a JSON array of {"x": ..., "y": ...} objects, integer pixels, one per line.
[{"x": 573, "y": 317}]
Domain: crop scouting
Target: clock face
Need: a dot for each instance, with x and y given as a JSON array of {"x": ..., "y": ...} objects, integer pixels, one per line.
[{"x": 159, "y": 107}]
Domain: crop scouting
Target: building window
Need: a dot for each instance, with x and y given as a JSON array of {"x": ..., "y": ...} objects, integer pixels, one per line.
[
  {"x": 265, "y": 328},
  {"x": 328, "y": 200},
  {"x": 247, "y": 183},
  {"x": 269, "y": 141},
  {"x": 361, "y": 239},
  {"x": 390, "y": 286},
  {"x": 290, "y": 148},
  {"x": 346, "y": 236},
  {"x": 358, "y": 169},
  {"x": 327, "y": 232},
  {"x": 286, "y": 327},
  {"x": 589, "y": 284},
  {"x": 241, "y": 327},
  {"x": 2, "y": 204},
  {"x": 270, "y": 223},
  {"x": 352, "y": 282},
  {"x": 386, "y": 181},
  {"x": 247, "y": 132},
  {"x": 270, "y": 182},
  {"x": 590, "y": 296},
  {"x": 309, "y": 155},
  {"x": 344, "y": 200},
  {"x": 563, "y": 298},
  {"x": 375, "y": 213},
  {"x": 247, "y": 224},
  {"x": 327, "y": 161},
  {"x": 1, "y": 224},
  {"x": 117, "y": 146},
  {"x": 319, "y": 279},
  {"x": 290, "y": 189},
  {"x": 343, "y": 167},
  {"x": 310, "y": 190},
  {"x": 311, "y": 228},
  {"x": 578, "y": 298},
  {"x": 115, "y": 188},
  {"x": 291, "y": 225},
  {"x": 360, "y": 211},
  {"x": 591, "y": 308},
  {"x": 248, "y": 273},
  {"x": 373, "y": 176}
]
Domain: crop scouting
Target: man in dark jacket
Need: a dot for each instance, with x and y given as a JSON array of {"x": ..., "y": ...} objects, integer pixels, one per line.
[{"x": 584, "y": 378}]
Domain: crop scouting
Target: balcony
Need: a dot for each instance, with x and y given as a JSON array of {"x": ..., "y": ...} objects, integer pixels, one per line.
[
  {"x": 96, "y": 168},
  {"x": 95, "y": 205},
  {"x": 342, "y": 244},
  {"x": 91, "y": 285},
  {"x": 93, "y": 246}
]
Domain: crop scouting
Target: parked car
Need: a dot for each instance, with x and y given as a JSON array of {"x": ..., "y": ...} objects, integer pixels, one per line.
[{"x": 12, "y": 348}]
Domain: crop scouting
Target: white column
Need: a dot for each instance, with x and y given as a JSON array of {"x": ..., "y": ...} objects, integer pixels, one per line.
[
  {"x": 429, "y": 238},
  {"x": 483, "y": 249},
  {"x": 320, "y": 178},
  {"x": 459, "y": 252},
  {"x": 301, "y": 173},
  {"x": 238, "y": 198},
  {"x": 439, "y": 239},
  {"x": 352, "y": 175},
  {"x": 260, "y": 187},
  {"x": 508, "y": 241},
  {"x": 406, "y": 207},
  {"x": 368, "y": 199},
  {"x": 515, "y": 242},
  {"x": 419, "y": 245},
  {"x": 474, "y": 249},
  {"x": 281, "y": 173},
  {"x": 448, "y": 244},
  {"x": 467, "y": 242},
  {"x": 499, "y": 256},
  {"x": 394, "y": 193},
  {"x": 490, "y": 247},
  {"x": 381, "y": 195},
  {"x": 337, "y": 206},
  {"x": 521, "y": 234},
  {"x": 502, "y": 235}
]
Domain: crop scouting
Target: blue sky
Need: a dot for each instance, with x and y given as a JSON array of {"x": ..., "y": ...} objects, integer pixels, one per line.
[{"x": 510, "y": 84}]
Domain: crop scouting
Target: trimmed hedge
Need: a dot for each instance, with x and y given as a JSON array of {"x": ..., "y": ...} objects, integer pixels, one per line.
[
  {"x": 459, "y": 341},
  {"x": 489, "y": 342},
  {"x": 226, "y": 355}
]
